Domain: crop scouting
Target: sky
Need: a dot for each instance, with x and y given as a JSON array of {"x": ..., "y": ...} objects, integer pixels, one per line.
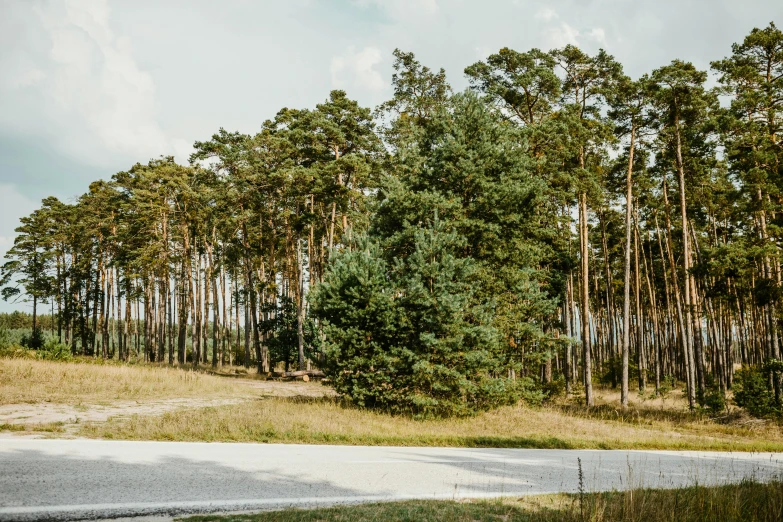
[{"x": 90, "y": 87}]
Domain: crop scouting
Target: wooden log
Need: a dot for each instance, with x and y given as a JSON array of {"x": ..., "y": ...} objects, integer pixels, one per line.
[{"x": 304, "y": 378}]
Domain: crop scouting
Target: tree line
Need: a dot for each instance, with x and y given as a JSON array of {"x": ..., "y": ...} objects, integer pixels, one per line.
[{"x": 558, "y": 222}]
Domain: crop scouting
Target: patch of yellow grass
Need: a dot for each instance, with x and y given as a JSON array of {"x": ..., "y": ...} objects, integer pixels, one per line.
[
  {"x": 327, "y": 421},
  {"x": 647, "y": 424},
  {"x": 29, "y": 381}
]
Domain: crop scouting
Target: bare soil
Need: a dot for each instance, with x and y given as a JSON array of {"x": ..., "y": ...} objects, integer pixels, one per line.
[{"x": 67, "y": 417}]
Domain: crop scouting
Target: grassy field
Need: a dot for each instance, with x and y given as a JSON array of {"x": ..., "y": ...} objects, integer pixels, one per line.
[
  {"x": 327, "y": 421},
  {"x": 33, "y": 381},
  {"x": 746, "y": 502},
  {"x": 648, "y": 424}
]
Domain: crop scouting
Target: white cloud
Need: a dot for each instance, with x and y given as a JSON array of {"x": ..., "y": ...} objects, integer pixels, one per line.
[
  {"x": 21, "y": 74},
  {"x": 561, "y": 35},
  {"x": 83, "y": 88},
  {"x": 357, "y": 69},
  {"x": 482, "y": 51},
  {"x": 597, "y": 35},
  {"x": 404, "y": 9},
  {"x": 546, "y": 13},
  {"x": 558, "y": 33}
]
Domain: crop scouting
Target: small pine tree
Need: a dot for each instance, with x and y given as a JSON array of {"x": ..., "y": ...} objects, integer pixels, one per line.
[
  {"x": 361, "y": 321},
  {"x": 409, "y": 336}
]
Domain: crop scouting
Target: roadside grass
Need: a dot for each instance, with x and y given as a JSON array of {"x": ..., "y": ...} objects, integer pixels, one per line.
[
  {"x": 47, "y": 427},
  {"x": 747, "y": 502},
  {"x": 32, "y": 381},
  {"x": 650, "y": 423},
  {"x": 329, "y": 421}
]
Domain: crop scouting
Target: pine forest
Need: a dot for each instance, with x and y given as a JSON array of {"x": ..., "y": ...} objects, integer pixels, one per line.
[{"x": 556, "y": 225}]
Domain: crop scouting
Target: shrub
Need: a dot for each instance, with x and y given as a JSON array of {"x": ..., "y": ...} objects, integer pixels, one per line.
[
  {"x": 714, "y": 398},
  {"x": 35, "y": 340},
  {"x": 5, "y": 339},
  {"x": 549, "y": 390},
  {"x": 55, "y": 351},
  {"x": 668, "y": 384},
  {"x": 408, "y": 335},
  {"x": 751, "y": 392}
]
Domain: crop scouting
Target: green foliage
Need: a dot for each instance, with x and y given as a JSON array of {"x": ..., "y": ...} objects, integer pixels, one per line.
[
  {"x": 48, "y": 349},
  {"x": 427, "y": 315},
  {"x": 549, "y": 390},
  {"x": 714, "y": 398},
  {"x": 752, "y": 392},
  {"x": 5, "y": 339},
  {"x": 55, "y": 351},
  {"x": 17, "y": 320},
  {"x": 409, "y": 335},
  {"x": 283, "y": 336},
  {"x": 668, "y": 384},
  {"x": 33, "y": 341},
  {"x": 471, "y": 167}
]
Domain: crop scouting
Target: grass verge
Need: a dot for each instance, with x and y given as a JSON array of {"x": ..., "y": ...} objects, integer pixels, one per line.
[
  {"x": 747, "y": 502},
  {"x": 327, "y": 421},
  {"x": 30, "y": 381},
  {"x": 47, "y": 427},
  {"x": 648, "y": 424}
]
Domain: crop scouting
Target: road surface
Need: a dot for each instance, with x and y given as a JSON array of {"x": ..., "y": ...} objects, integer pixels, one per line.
[{"x": 88, "y": 479}]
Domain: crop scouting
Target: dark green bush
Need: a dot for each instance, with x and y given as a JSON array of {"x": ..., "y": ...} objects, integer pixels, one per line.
[
  {"x": 35, "y": 340},
  {"x": 5, "y": 339},
  {"x": 55, "y": 351},
  {"x": 714, "y": 398},
  {"x": 752, "y": 392},
  {"x": 554, "y": 388}
]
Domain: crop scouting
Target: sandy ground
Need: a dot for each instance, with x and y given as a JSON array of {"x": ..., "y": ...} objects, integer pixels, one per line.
[{"x": 70, "y": 415}]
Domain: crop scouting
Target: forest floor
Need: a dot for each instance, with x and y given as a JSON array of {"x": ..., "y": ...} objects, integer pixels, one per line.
[
  {"x": 746, "y": 502},
  {"x": 114, "y": 401}
]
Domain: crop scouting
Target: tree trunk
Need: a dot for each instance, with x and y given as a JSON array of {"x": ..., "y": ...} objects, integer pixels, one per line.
[
  {"x": 686, "y": 257},
  {"x": 627, "y": 272},
  {"x": 585, "y": 296}
]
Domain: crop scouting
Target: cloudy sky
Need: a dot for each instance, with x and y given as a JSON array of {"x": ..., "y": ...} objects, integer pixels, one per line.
[{"x": 89, "y": 87}]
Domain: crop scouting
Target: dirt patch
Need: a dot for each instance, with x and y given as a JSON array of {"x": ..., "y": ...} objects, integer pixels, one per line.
[
  {"x": 45, "y": 413},
  {"x": 68, "y": 416}
]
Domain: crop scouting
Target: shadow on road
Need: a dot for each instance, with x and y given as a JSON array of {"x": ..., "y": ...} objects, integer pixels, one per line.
[{"x": 113, "y": 487}]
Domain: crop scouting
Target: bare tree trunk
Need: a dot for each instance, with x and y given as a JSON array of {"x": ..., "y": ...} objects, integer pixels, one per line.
[
  {"x": 585, "y": 295},
  {"x": 686, "y": 257},
  {"x": 627, "y": 273},
  {"x": 215, "y": 309},
  {"x": 685, "y": 331},
  {"x": 639, "y": 322},
  {"x": 300, "y": 306}
]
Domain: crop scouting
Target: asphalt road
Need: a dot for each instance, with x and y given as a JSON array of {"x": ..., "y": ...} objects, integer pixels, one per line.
[{"x": 88, "y": 479}]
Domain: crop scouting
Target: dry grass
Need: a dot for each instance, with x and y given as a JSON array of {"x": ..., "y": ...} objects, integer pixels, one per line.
[
  {"x": 48, "y": 427},
  {"x": 327, "y": 421},
  {"x": 746, "y": 502},
  {"x": 31, "y": 381},
  {"x": 648, "y": 424}
]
